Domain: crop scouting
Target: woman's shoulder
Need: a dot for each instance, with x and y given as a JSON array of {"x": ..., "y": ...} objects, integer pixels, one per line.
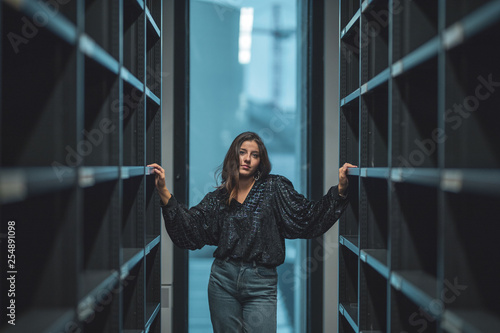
[
  {"x": 219, "y": 193},
  {"x": 216, "y": 192},
  {"x": 273, "y": 179}
]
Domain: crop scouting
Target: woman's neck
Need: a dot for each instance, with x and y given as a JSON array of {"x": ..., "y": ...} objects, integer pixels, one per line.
[
  {"x": 245, "y": 183},
  {"x": 244, "y": 187}
]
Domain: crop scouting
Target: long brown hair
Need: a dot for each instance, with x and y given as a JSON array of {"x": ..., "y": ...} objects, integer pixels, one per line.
[{"x": 230, "y": 168}]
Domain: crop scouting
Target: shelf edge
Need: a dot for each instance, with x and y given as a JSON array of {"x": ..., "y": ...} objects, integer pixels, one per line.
[
  {"x": 349, "y": 98},
  {"x": 94, "y": 51},
  {"x": 354, "y": 171},
  {"x": 348, "y": 317},
  {"x": 131, "y": 79},
  {"x": 89, "y": 176},
  {"x": 374, "y": 263},
  {"x": 152, "y": 317},
  {"x": 481, "y": 19},
  {"x": 348, "y": 244},
  {"x": 154, "y": 242},
  {"x": 131, "y": 262},
  {"x": 483, "y": 321},
  {"x": 152, "y": 21},
  {"x": 412, "y": 291},
  {"x": 152, "y": 96},
  {"x": 480, "y": 181},
  {"x": 132, "y": 171},
  {"x": 86, "y": 306},
  {"x": 17, "y": 184},
  {"x": 378, "y": 172},
  {"x": 379, "y": 79},
  {"x": 349, "y": 25},
  {"x": 420, "y": 55}
]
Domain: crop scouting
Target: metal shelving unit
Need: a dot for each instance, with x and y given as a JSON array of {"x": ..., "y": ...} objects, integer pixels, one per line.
[
  {"x": 419, "y": 97},
  {"x": 80, "y": 119}
]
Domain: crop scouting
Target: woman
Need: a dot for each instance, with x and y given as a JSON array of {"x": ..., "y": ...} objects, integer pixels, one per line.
[{"x": 248, "y": 218}]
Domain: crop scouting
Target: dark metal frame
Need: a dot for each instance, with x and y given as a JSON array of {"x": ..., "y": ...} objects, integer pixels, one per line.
[
  {"x": 181, "y": 153},
  {"x": 315, "y": 152}
]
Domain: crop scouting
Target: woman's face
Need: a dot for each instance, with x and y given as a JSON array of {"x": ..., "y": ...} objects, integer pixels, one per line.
[{"x": 249, "y": 158}]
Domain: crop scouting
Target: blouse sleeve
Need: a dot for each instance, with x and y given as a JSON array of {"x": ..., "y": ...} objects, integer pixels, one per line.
[
  {"x": 192, "y": 228},
  {"x": 302, "y": 218}
]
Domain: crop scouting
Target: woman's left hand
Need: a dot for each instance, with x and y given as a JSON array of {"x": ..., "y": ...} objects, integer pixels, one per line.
[{"x": 343, "y": 181}]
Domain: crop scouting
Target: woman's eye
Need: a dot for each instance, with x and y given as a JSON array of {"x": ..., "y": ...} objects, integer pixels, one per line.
[
  {"x": 255, "y": 156},
  {"x": 242, "y": 152}
]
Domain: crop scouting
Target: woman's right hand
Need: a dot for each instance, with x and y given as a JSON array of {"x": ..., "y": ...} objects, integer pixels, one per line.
[{"x": 160, "y": 182}]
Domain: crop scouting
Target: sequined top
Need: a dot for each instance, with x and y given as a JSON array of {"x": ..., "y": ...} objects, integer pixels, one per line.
[{"x": 254, "y": 230}]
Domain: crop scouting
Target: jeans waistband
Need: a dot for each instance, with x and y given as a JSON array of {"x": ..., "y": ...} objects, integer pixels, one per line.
[{"x": 241, "y": 262}]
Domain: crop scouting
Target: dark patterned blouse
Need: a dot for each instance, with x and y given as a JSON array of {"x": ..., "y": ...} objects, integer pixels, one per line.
[{"x": 254, "y": 230}]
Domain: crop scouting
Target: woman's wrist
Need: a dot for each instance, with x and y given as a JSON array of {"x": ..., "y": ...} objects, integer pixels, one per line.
[
  {"x": 342, "y": 191},
  {"x": 165, "y": 195}
]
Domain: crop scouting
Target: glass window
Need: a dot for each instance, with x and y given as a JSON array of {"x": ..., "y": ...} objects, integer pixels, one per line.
[{"x": 243, "y": 77}]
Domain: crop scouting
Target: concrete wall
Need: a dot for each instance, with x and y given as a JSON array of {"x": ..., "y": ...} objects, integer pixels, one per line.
[
  {"x": 167, "y": 158},
  {"x": 331, "y": 101}
]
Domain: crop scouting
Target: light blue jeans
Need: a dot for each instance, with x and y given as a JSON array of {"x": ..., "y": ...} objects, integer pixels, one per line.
[{"x": 242, "y": 297}]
